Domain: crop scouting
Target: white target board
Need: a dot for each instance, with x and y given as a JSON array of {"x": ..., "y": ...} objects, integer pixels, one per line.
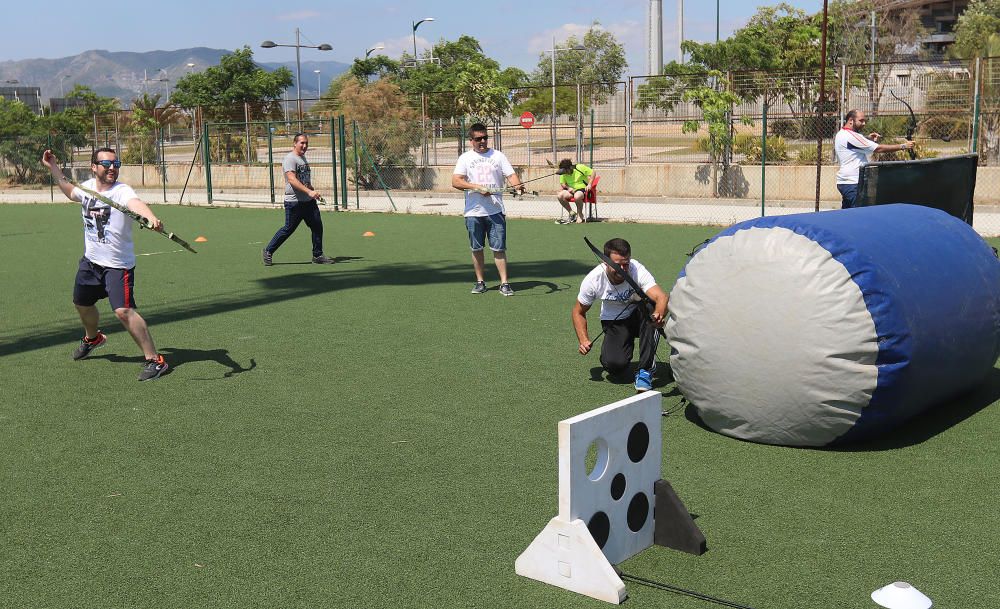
[{"x": 605, "y": 502}]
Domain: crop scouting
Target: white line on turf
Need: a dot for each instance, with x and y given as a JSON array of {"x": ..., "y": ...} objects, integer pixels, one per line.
[{"x": 158, "y": 253}]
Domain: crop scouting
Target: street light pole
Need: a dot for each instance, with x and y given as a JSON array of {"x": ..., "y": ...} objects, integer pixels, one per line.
[
  {"x": 552, "y": 126},
  {"x": 319, "y": 90},
  {"x": 377, "y": 47},
  {"x": 416, "y": 24},
  {"x": 298, "y": 72},
  {"x": 268, "y": 44}
]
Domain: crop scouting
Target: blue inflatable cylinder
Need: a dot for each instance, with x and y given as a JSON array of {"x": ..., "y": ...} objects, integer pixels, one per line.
[{"x": 834, "y": 327}]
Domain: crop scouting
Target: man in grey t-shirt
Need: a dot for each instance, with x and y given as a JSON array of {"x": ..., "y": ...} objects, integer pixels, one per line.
[{"x": 300, "y": 203}]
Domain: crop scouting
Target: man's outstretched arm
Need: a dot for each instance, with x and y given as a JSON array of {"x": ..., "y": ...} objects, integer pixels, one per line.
[{"x": 52, "y": 163}]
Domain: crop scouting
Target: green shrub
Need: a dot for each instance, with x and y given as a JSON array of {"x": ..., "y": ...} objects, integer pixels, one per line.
[
  {"x": 750, "y": 147},
  {"x": 787, "y": 128}
]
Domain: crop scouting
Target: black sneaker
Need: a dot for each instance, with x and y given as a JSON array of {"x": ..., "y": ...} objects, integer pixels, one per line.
[
  {"x": 267, "y": 257},
  {"x": 153, "y": 368},
  {"x": 89, "y": 344},
  {"x": 321, "y": 259},
  {"x": 479, "y": 288},
  {"x": 506, "y": 290}
]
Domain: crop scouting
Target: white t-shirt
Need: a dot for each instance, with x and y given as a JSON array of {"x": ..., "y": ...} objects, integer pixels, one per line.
[
  {"x": 853, "y": 152},
  {"x": 489, "y": 170},
  {"x": 614, "y": 297},
  {"x": 107, "y": 232}
]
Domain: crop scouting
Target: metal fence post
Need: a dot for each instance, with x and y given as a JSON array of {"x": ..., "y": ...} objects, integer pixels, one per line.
[
  {"x": 163, "y": 165},
  {"x": 423, "y": 130},
  {"x": 342, "y": 138},
  {"x": 357, "y": 167},
  {"x": 270, "y": 158},
  {"x": 579, "y": 122},
  {"x": 48, "y": 146},
  {"x": 628, "y": 121},
  {"x": 207, "y": 151},
  {"x": 843, "y": 91},
  {"x": 591, "y": 137},
  {"x": 763, "y": 159},
  {"x": 974, "y": 147},
  {"x": 333, "y": 162}
]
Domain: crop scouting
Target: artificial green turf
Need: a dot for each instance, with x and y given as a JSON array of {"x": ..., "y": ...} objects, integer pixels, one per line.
[{"x": 369, "y": 434}]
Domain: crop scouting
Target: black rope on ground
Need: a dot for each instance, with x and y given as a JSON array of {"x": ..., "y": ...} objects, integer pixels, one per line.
[
  {"x": 677, "y": 590},
  {"x": 694, "y": 250}
]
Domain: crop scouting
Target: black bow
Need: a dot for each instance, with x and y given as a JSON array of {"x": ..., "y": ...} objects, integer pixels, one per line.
[
  {"x": 913, "y": 124},
  {"x": 628, "y": 278}
]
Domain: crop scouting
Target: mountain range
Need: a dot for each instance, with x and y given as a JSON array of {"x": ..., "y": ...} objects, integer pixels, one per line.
[{"x": 126, "y": 75}]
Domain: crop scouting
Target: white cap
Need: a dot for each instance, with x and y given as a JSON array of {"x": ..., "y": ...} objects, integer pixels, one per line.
[{"x": 901, "y": 595}]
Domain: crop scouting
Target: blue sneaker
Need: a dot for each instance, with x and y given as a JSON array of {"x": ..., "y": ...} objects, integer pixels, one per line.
[{"x": 643, "y": 381}]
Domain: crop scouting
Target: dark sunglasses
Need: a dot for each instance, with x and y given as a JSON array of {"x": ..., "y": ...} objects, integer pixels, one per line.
[
  {"x": 481, "y": 138},
  {"x": 109, "y": 164}
]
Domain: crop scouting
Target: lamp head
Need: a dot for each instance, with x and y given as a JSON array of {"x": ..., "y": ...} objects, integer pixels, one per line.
[
  {"x": 325, "y": 47},
  {"x": 268, "y": 44}
]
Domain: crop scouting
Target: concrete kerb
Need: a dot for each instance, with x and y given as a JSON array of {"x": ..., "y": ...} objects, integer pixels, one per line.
[{"x": 717, "y": 212}]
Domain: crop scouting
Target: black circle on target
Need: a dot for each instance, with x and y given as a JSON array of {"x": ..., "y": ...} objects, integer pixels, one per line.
[
  {"x": 600, "y": 528},
  {"x": 618, "y": 486},
  {"x": 638, "y": 442},
  {"x": 638, "y": 512}
]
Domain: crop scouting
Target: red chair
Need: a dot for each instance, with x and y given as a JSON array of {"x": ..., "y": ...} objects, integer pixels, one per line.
[{"x": 590, "y": 198}]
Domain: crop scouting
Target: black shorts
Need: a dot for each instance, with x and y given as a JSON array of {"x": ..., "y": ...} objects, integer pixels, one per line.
[{"x": 94, "y": 282}]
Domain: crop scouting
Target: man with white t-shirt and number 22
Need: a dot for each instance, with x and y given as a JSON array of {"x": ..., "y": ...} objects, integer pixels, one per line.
[
  {"x": 624, "y": 317},
  {"x": 481, "y": 173},
  {"x": 107, "y": 269}
]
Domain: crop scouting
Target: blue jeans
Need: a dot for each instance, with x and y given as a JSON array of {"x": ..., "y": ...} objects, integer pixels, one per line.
[
  {"x": 849, "y": 192},
  {"x": 480, "y": 226},
  {"x": 295, "y": 213}
]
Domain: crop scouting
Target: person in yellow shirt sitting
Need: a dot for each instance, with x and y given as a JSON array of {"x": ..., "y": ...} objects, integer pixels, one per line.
[{"x": 574, "y": 182}]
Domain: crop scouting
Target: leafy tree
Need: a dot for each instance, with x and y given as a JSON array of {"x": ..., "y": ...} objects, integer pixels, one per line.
[
  {"x": 599, "y": 67},
  {"x": 976, "y": 26},
  {"x": 664, "y": 91},
  {"x": 977, "y": 34},
  {"x": 222, "y": 90},
  {"x": 146, "y": 123},
  {"x": 480, "y": 93},
  {"x": 387, "y": 125},
  {"x": 441, "y": 78},
  {"x": 849, "y": 31},
  {"x": 379, "y": 66},
  {"x": 24, "y": 136},
  {"x": 715, "y": 107},
  {"x": 771, "y": 52}
]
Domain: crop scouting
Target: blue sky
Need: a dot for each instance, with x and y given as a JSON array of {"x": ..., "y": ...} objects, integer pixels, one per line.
[{"x": 513, "y": 31}]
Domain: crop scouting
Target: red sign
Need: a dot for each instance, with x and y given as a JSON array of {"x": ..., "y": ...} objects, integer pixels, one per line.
[{"x": 527, "y": 120}]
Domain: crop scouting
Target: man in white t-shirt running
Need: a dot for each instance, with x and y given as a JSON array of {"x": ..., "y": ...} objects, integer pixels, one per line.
[
  {"x": 107, "y": 269},
  {"x": 623, "y": 320},
  {"x": 854, "y": 151},
  {"x": 481, "y": 172}
]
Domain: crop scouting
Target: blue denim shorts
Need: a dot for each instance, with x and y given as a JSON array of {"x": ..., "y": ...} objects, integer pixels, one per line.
[{"x": 480, "y": 226}]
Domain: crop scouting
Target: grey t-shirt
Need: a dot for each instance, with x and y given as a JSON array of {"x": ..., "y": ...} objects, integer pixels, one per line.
[{"x": 300, "y": 166}]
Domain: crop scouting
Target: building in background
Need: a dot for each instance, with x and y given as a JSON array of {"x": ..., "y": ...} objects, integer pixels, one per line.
[{"x": 29, "y": 96}]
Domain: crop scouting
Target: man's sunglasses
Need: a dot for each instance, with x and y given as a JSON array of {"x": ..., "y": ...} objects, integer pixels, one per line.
[
  {"x": 481, "y": 138},
  {"x": 109, "y": 164}
]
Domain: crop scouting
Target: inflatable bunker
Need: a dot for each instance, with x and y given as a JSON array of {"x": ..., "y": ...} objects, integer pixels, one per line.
[{"x": 833, "y": 327}]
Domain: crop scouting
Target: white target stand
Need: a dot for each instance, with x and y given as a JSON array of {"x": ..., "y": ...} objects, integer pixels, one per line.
[{"x": 606, "y": 514}]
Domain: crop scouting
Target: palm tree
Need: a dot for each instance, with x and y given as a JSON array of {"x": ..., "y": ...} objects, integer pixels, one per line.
[{"x": 146, "y": 123}]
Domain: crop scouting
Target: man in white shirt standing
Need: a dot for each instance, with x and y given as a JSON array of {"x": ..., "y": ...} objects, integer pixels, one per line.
[
  {"x": 107, "y": 269},
  {"x": 481, "y": 173},
  {"x": 622, "y": 318},
  {"x": 854, "y": 151}
]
